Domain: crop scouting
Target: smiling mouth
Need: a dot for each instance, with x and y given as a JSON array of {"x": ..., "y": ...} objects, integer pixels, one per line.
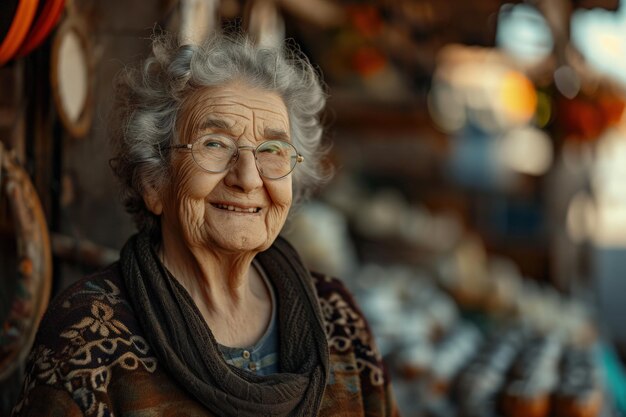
[{"x": 235, "y": 208}]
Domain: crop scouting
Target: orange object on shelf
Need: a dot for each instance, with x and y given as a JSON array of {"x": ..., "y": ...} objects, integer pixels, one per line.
[
  {"x": 18, "y": 29},
  {"x": 368, "y": 60}
]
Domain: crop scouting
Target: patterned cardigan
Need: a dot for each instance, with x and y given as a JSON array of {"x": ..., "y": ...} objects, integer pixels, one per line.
[{"x": 91, "y": 358}]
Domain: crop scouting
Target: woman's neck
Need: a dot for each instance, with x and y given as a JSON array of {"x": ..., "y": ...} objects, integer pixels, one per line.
[
  {"x": 230, "y": 294},
  {"x": 220, "y": 281}
]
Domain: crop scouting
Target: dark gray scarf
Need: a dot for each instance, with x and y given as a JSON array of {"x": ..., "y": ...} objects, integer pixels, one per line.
[{"x": 185, "y": 346}]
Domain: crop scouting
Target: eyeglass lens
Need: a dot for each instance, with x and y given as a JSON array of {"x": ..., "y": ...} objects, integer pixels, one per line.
[{"x": 274, "y": 158}]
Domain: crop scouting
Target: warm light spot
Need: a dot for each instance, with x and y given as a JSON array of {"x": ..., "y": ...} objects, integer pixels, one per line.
[
  {"x": 518, "y": 95},
  {"x": 609, "y": 170},
  {"x": 610, "y": 230},
  {"x": 600, "y": 37},
  {"x": 609, "y": 190},
  {"x": 526, "y": 150},
  {"x": 611, "y": 43}
]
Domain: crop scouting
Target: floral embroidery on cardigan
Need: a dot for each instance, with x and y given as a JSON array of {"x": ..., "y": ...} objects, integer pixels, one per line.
[
  {"x": 102, "y": 323},
  {"x": 96, "y": 344},
  {"x": 347, "y": 329}
]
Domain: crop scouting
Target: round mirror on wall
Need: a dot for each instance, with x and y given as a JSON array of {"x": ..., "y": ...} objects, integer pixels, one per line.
[{"x": 72, "y": 77}]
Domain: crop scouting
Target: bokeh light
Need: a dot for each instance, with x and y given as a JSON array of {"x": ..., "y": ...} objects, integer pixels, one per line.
[
  {"x": 523, "y": 33},
  {"x": 526, "y": 150}
]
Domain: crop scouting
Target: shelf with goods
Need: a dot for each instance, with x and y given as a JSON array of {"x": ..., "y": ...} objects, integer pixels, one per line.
[{"x": 486, "y": 253}]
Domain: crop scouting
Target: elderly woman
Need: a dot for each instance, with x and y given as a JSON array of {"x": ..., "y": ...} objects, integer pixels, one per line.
[{"x": 209, "y": 312}]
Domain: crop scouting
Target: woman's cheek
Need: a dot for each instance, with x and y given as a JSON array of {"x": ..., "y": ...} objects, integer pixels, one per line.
[
  {"x": 277, "y": 215},
  {"x": 190, "y": 196},
  {"x": 193, "y": 183},
  {"x": 280, "y": 191},
  {"x": 191, "y": 215}
]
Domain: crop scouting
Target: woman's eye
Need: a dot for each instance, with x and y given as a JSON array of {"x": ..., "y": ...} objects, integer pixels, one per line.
[
  {"x": 216, "y": 143},
  {"x": 212, "y": 144},
  {"x": 272, "y": 148}
]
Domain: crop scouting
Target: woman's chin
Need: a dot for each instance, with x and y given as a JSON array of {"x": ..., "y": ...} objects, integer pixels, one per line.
[{"x": 240, "y": 243}]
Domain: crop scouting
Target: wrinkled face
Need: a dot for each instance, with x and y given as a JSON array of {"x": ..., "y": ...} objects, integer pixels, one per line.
[{"x": 237, "y": 210}]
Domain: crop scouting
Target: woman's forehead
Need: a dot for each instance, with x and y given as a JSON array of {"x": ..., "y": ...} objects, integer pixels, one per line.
[{"x": 231, "y": 105}]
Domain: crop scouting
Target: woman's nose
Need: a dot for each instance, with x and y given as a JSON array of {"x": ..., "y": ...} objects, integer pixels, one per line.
[{"x": 244, "y": 173}]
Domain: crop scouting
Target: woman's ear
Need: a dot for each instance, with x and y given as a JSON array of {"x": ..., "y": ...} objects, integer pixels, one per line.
[{"x": 152, "y": 200}]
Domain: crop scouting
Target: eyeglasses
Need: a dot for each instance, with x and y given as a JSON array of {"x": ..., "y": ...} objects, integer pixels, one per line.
[{"x": 274, "y": 159}]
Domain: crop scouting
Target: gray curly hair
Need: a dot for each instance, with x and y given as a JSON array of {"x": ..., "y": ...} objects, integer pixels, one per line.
[{"x": 149, "y": 99}]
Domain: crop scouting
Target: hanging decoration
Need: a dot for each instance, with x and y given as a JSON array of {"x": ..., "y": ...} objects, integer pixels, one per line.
[
  {"x": 264, "y": 22},
  {"x": 18, "y": 29},
  {"x": 31, "y": 282},
  {"x": 196, "y": 19},
  {"x": 42, "y": 26},
  {"x": 31, "y": 23}
]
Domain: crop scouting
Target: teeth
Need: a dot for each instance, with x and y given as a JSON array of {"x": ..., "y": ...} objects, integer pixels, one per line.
[{"x": 237, "y": 209}]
